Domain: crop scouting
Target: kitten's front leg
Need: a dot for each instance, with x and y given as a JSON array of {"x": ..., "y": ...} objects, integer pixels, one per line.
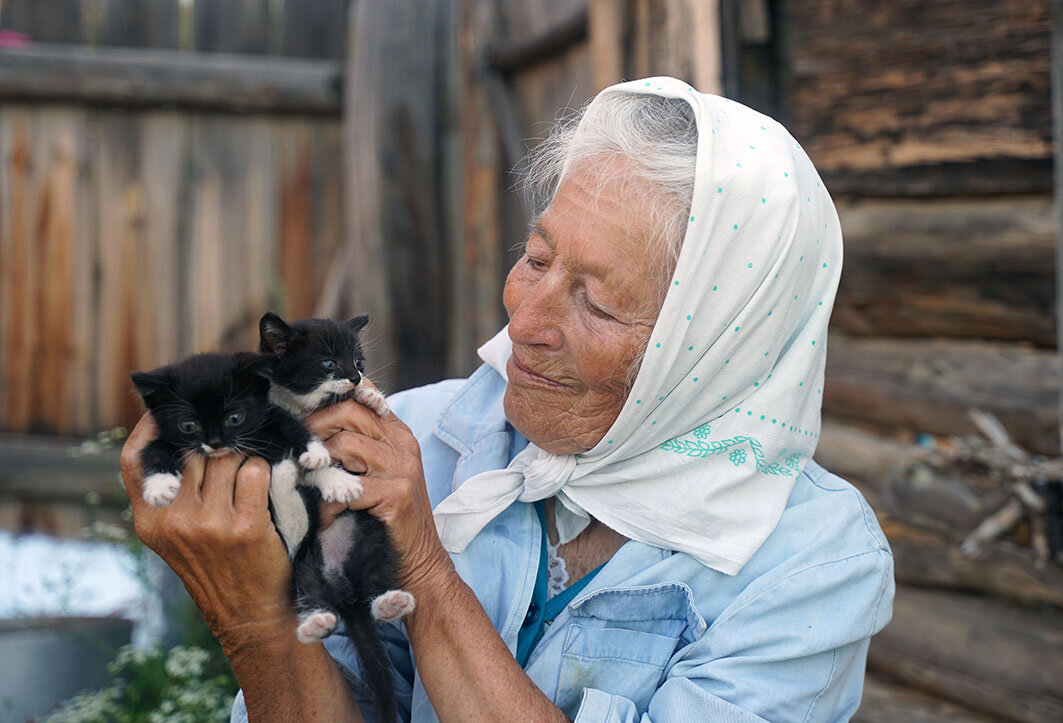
[
  {"x": 162, "y": 473},
  {"x": 336, "y": 484},
  {"x": 372, "y": 398},
  {"x": 308, "y": 449}
]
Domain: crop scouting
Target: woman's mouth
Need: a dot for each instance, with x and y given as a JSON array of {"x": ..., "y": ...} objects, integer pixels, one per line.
[{"x": 523, "y": 375}]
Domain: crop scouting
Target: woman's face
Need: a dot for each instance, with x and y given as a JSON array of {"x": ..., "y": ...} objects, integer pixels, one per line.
[{"x": 582, "y": 302}]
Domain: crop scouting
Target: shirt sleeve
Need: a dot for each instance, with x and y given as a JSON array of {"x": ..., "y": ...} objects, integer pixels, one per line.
[
  {"x": 342, "y": 651},
  {"x": 795, "y": 651}
]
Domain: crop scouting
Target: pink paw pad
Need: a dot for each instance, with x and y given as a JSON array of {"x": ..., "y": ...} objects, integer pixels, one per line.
[
  {"x": 316, "y": 626},
  {"x": 392, "y": 605}
]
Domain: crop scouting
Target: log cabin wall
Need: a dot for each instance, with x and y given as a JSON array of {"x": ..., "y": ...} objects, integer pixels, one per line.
[{"x": 164, "y": 178}]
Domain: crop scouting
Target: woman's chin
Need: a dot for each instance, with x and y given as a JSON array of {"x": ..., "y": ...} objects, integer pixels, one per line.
[{"x": 542, "y": 416}]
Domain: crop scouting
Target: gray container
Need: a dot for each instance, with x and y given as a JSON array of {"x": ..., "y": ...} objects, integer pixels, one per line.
[{"x": 46, "y": 660}]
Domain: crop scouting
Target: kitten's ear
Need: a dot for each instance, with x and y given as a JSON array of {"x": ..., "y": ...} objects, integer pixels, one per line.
[
  {"x": 274, "y": 334},
  {"x": 150, "y": 384},
  {"x": 357, "y": 323}
]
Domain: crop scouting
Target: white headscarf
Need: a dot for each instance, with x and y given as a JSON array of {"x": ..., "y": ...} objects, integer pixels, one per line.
[{"x": 725, "y": 410}]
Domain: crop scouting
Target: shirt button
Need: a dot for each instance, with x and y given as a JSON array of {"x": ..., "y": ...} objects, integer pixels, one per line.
[{"x": 533, "y": 615}]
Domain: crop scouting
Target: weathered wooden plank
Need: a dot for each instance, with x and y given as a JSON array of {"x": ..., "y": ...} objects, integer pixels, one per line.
[
  {"x": 391, "y": 146},
  {"x": 163, "y": 144},
  {"x": 48, "y": 21},
  {"x": 233, "y": 26},
  {"x": 1057, "y": 125},
  {"x": 260, "y": 224},
  {"x": 886, "y": 701},
  {"x": 315, "y": 29},
  {"x": 606, "y": 22},
  {"x": 52, "y": 468},
  {"x": 979, "y": 268},
  {"x": 1002, "y": 569},
  {"x": 151, "y": 78},
  {"x": 141, "y": 24},
  {"x": 929, "y": 386},
  {"x": 996, "y": 658},
  {"x": 204, "y": 281},
  {"x": 54, "y": 232},
  {"x": 20, "y": 311},
  {"x": 121, "y": 215},
  {"x": 296, "y": 236},
  {"x": 926, "y": 115},
  {"x": 82, "y": 383}
]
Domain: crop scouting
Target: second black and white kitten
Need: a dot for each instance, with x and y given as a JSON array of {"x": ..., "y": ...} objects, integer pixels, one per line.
[{"x": 349, "y": 571}]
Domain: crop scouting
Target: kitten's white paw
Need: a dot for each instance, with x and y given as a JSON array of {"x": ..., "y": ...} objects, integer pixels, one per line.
[
  {"x": 372, "y": 398},
  {"x": 160, "y": 489},
  {"x": 337, "y": 484},
  {"x": 316, "y": 626},
  {"x": 392, "y": 605},
  {"x": 315, "y": 456}
]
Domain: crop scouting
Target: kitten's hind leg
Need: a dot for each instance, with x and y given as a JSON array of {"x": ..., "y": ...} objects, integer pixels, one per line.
[
  {"x": 316, "y": 625},
  {"x": 392, "y": 605},
  {"x": 162, "y": 473},
  {"x": 336, "y": 484},
  {"x": 369, "y": 397}
]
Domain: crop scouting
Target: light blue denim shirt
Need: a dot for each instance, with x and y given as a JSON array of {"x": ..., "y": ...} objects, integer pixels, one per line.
[{"x": 655, "y": 635}]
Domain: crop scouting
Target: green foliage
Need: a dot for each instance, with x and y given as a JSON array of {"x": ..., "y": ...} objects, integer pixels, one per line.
[{"x": 186, "y": 685}]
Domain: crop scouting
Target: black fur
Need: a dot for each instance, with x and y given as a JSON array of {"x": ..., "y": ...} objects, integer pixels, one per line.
[
  {"x": 371, "y": 565},
  {"x": 370, "y": 569},
  {"x": 207, "y": 390}
]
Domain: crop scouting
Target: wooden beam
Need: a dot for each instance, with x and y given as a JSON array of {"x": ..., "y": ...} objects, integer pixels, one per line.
[
  {"x": 997, "y": 658},
  {"x": 930, "y": 385},
  {"x": 55, "y": 469},
  {"x": 964, "y": 268},
  {"x": 135, "y": 78},
  {"x": 886, "y": 701}
]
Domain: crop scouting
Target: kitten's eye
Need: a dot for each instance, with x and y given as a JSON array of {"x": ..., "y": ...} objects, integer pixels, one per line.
[
  {"x": 328, "y": 363},
  {"x": 234, "y": 419},
  {"x": 360, "y": 365},
  {"x": 188, "y": 426}
]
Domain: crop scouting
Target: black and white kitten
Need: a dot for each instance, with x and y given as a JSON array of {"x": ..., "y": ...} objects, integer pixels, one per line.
[
  {"x": 214, "y": 404},
  {"x": 348, "y": 571}
]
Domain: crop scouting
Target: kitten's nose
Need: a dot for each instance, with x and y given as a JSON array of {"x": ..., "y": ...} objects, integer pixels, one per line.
[
  {"x": 356, "y": 379},
  {"x": 215, "y": 442}
]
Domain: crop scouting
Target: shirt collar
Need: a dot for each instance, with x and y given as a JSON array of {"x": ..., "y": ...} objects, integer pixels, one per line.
[{"x": 475, "y": 411}]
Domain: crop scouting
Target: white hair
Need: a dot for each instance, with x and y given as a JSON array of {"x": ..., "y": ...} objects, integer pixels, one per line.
[{"x": 620, "y": 137}]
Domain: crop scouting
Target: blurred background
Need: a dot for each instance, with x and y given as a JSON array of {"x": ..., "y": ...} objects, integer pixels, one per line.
[{"x": 170, "y": 169}]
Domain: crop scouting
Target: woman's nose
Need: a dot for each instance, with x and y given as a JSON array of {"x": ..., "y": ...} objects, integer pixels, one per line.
[{"x": 538, "y": 316}]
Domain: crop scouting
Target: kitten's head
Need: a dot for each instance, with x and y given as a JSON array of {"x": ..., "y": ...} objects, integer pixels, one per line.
[
  {"x": 316, "y": 361},
  {"x": 210, "y": 404}
]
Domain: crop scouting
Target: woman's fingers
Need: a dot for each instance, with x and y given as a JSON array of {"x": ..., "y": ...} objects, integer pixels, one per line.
[
  {"x": 390, "y": 416},
  {"x": 346, "y": 415},
  {"x": 132, "y": 475},
  {"x": 357, "y": 453},
  {"x": 219, "y": 481},
  {"x": 252, "y": 487}
]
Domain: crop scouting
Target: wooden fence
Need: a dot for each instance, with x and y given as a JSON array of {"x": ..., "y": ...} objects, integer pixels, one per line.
[{"x": 154, "y": 201}]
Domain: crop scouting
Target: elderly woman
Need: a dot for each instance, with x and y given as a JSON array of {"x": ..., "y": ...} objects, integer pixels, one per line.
[{"x": 627, "y": 524}]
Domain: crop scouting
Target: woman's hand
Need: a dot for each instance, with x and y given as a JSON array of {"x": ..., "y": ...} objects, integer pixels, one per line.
[
  {"x": 384, "y": 450},
  {"x": 218, "y": 537}
]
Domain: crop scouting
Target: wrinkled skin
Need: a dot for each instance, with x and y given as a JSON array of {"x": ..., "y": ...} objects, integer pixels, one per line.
[{"x": 582, "y": 302}]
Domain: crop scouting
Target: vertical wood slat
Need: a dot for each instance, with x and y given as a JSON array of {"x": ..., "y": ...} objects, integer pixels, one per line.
[
  {"x": 232, "y": 26},
  {"x": 162, "y": 148},
  {"x": 83, "y": 401},
  {"x": 121, "y": 232},
  {"x": 314, "y": 29},
  {"x": 205, "y": 268},
  {"x": 1057, "y": 126},
  {"x": 296, "y": 242},
  {"x": 54, "y": 246},
  {"x": 45, "y": 21},
  {"x": 20, "y": 281},
  {"x": 136, "y": 23},
  {"x": 606, "y": 18}
]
